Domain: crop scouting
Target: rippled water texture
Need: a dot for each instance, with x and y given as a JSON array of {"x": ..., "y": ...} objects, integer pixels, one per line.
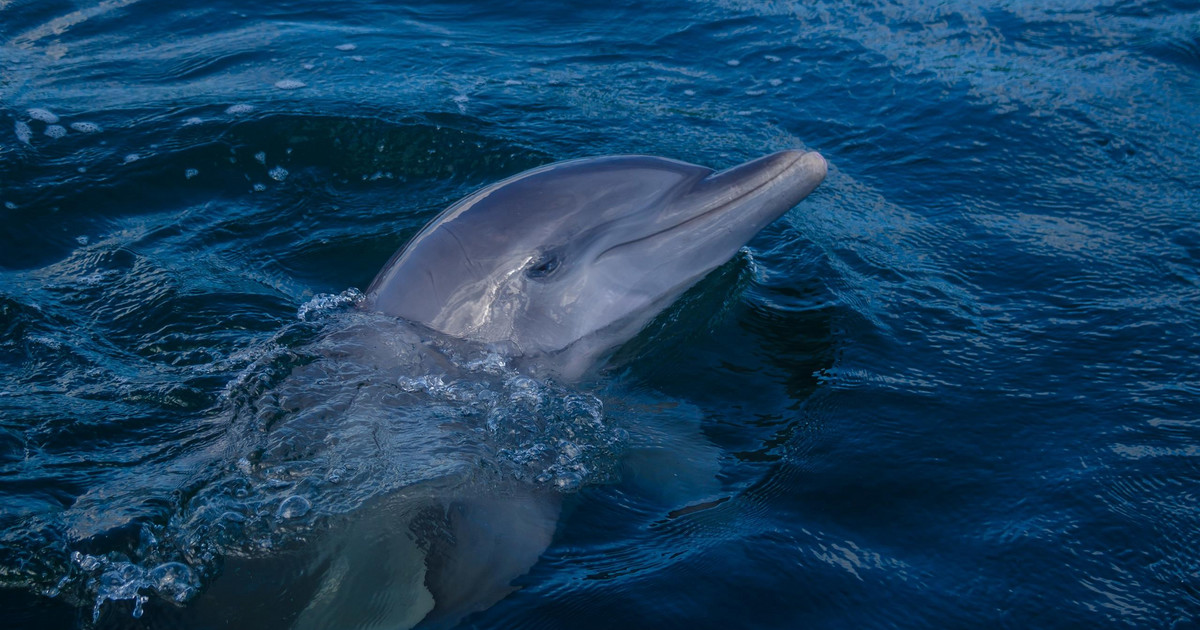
[{"x": 956, "y": 387}]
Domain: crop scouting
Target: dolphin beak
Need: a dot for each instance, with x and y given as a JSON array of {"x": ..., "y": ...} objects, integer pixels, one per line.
[
  {"x": 775, "y": 182},
  {"x": 724, "y": 210},
  {"x": 749, "y": 196}
]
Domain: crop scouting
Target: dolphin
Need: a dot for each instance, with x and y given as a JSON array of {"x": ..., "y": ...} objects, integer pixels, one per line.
[
  {"x": 554, "y": 267},
  {"x": 561, "y": 264}
]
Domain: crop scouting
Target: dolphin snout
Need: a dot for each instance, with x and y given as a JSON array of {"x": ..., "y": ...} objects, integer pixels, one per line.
[{"x": 808, "y": 164}]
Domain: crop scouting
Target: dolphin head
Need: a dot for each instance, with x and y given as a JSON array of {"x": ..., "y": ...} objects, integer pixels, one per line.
[{"x": 568, "y": 261}]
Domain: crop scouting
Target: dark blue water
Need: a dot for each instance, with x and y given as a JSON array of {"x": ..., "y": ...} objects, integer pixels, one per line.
[{"x": 959, "y": 386}]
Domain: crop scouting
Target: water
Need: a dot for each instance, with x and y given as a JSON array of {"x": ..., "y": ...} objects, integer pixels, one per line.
[{"x": 956, "y": 387}]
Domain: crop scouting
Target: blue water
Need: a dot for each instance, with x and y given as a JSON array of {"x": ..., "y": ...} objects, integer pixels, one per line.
[{"x": 959, "y": 386}]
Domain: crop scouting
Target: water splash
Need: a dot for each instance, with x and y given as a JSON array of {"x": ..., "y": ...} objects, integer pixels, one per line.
[
  {"x": 336, "y": 412},
  {"x": 114, "y": 579},
  {"x": 325, "y": 303}
]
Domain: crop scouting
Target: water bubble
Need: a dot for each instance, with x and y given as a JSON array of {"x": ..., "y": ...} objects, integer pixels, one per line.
[
  {"x": 190, "y": 173},
  {"x": 10, "y": 205},
  {"x": 278, "y": 173},
  {"x": 290, "y": 84},
  {"x": 293, "y": 507},
  {"x": 24, "y": 133},
  {"x": 86, "y": 127},
  {"x": 259, "y": 187},
  {"x": 44, "y": 115},
  {"x": 55, "y": 131},
  {"x": 261, "y": 157},
  {"x": 345, "y": 47},
  {"x": 239, "y": 109},
  {"x": 173, "y": 580}
]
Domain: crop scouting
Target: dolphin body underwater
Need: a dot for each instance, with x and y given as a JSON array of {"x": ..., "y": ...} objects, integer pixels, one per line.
[{"x": 554, "y": 268}]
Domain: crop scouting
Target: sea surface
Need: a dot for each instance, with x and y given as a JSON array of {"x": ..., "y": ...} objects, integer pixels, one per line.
[{"x": 957, "y": 387}]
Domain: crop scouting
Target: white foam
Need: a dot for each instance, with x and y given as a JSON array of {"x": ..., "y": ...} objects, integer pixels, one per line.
[
  {"x": 772, "y": 58},
  {"x": 190, "y": 173},
  {"x": 44, "y": 115},
  {"x": 261, "y": 157},
  {"x": 55, "y": 131},
  {"x": 278, "y": 173},
  {"x": 259, "y": 187},
  {"x": 24, "y": 133},
  {"x": 239, "y": 109},
  {"x": 195, "y": 120},
  {"x": 10, "y": 205},
  {"x": 326, "y": 303},
  {"x": 689, "y": 92},
  {"x": 82, "y": 239},
  {"x": 733, "y": 62},
  {"x": 290, "y": 84},
  {"x": 776, "y": 82},
  {"x": 356, "y": 57},
  {"x": 132, "y": 157},
  {"x": 345, "y": 47},
  {"x": 86, "y": 127}
]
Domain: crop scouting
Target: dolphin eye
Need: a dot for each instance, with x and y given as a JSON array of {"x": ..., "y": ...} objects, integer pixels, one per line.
[{"x": 543, "y": 266}]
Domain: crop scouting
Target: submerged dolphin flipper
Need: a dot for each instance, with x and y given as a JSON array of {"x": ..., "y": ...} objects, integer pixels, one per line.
[
  {"x": 396, "y": 566},
  {"x": 492, "y": 542},
  {"x": 373, "y": 579}
]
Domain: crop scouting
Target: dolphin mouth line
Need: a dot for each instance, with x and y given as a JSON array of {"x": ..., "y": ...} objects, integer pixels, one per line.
[{"x": 717, "y": 208}]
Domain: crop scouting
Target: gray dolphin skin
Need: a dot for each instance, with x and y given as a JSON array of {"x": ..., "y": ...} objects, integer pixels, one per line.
[
  {"x": 556, "y": 266},
  {"x": 563, "y": 263}
]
